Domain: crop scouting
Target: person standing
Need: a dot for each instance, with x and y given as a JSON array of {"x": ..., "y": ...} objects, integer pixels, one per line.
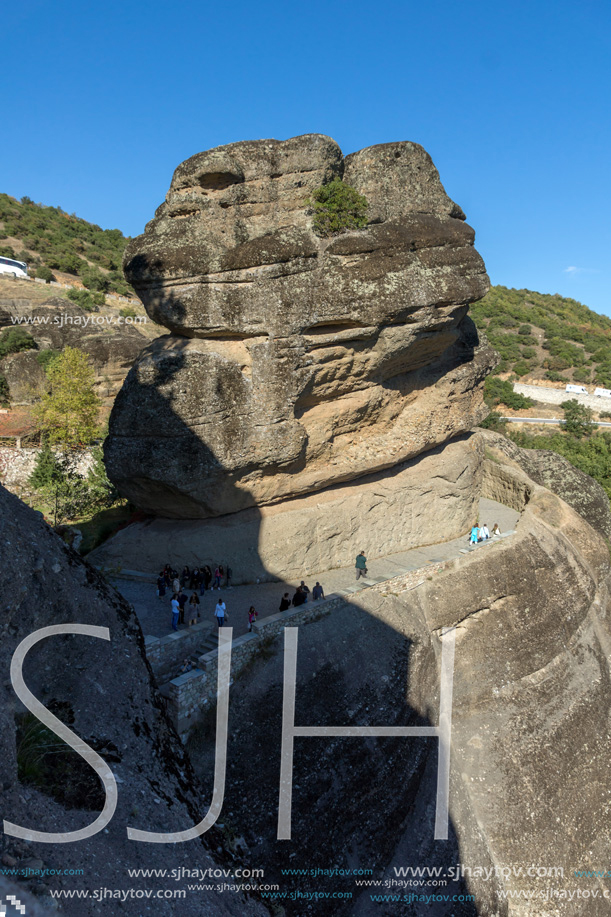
[
  {"x": 206, "y": 580},
  {"x": 229, "y": 576},
  {"x": 252, "y": 618},
  {"x": 474, "y": 534},
  {"x": 217, "y": 578},
  {"x": 361, "y": 565},
  {"x": 318, "y": 592},
  {"x": 176, "y": 585},
  {"x": 182, "y": 601},
  {"x": 175, "y": 611},
  {"x": 285, "y": 602},
  {"x": 219, "y": 611},
  {"x": 161, "y": 585},
  {"x": 305, "y": 591},
  {"x": 193, "y": 609}
]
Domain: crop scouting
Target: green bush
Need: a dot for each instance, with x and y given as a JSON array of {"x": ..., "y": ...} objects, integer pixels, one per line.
[
  {"x": 46, "y": 357},
  {"x": 14, "y": 340},
  {"x": 521, "y": 368},
  {"x": 525, "y": 330},
  {"x": 45, "y": 273},
  {"x": 87, "y": 300},
  {"x": 128, "y": 312},
  {"x": 498, "y": 391},
  {"x": 337, "y": 207},
  {"x": 5, "y": 394},
  {"x": 584, "y": 374},
  {"x": 553, "y": 376}
]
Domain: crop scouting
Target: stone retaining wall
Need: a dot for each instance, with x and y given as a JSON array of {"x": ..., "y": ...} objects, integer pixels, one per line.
[
  {"x": 165, "y": 654},
  {"x": 190, "y": 693},
  {"x": 16, "y": 465}
]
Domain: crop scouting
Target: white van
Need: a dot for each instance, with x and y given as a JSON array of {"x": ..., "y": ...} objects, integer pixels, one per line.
[
  {"x": 577, "y": 389},
  {"x": 16, "y": 268},
  {"x": 603, "y": 392}
]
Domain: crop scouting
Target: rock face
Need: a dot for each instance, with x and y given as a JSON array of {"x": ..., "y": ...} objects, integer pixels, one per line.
[
  {"x": 426, "y": 500},
  {"x": 295, "y": 362},
  {"x": 58, "y": 323},
  {"x": 105, "y": 692},
  {"x": 530, "y": 746}
]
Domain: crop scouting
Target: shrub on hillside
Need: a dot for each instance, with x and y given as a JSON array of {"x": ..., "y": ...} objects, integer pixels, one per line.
[
  {"x": 5, "y": 394},
  {"x": 14, "y": 340},
  {"x": 499, "y": 391},
  {"x": 45, "y": 273},
  {"x": 87, "y": 300}
]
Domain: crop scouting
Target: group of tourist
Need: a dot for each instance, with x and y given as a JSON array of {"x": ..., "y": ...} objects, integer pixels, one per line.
[
  {"x": 199, "y": 579},
  {"x": 481, "y": 533},
  {"x": 301, "y": 596}
]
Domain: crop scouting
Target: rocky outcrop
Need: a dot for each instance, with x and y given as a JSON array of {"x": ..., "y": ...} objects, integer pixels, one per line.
[
  {"x": 530, "y": 746},
  {"x": 429, "y": 499},
  {"x": 294, "y": 362},
  {"x": 579, "y": 490},
  {"x": 105, "y": 692},
  {"x": 57, "y": 323}
]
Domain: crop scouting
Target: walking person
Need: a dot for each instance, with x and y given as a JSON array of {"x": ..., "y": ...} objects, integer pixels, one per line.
[
  {"x": 217, "y": 578},
  {"x": 318, "y": 592},
  {"x": 175, "y": 611},
  {"x": 474, "y": 534},
  {"x": 305, "y": 591},
  {"x": 219, "y": 611},
  {"x": 252, "y": 618},
  {"x": 361, "y": 565}
]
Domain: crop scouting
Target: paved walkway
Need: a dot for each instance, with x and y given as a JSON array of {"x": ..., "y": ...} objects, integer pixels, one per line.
[{"x": 155, "y": 616}]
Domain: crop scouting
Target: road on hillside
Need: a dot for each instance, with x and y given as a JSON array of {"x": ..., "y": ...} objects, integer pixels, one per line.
[{"x": 598, "y": 423}]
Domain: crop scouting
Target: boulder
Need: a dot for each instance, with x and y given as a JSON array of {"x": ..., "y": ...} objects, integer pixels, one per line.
[
  {"x": 295, "y": 362},
  {"x": 104, "y": 691}
]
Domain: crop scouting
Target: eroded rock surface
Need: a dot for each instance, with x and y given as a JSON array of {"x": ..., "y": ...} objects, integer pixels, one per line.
[
  {"x": 530, "y": 747},
  {"x": 58, "y": 323},
  {"x": 295, "y": 362},
  {"x": 105, "y": 692}
]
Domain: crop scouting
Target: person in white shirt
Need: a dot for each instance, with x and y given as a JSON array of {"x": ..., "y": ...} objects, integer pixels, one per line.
[
  {"x": 484, "y": 533},
  {"x": 219, "y": 611}
]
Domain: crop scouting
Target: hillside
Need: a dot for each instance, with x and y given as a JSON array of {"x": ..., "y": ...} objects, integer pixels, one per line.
[
  {"x": 546, "y": 337},
  {"x": 48, "y": 240}
]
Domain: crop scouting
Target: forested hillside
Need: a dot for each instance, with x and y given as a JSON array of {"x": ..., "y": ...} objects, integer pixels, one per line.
[
  {"x": 547, "y": 337},
  {"x": 48, "y": 239}
]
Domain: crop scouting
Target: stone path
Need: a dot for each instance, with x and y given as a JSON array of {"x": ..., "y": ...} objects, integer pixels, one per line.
[{"x": 155, "y": 616}]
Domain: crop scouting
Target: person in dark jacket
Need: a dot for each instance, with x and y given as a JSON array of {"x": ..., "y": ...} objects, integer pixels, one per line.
[{"x": 285, "y": 602}]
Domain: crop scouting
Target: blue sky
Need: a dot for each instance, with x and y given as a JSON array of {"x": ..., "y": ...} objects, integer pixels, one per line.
[{"x": 512, "y": 101}]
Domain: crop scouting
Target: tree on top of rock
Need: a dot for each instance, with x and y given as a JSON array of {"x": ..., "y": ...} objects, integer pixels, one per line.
[
  {"x": 68, "y": 413},
  {"x": 337, "y": 207}
]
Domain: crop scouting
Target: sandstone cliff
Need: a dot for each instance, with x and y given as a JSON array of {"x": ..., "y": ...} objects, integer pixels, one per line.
[
  {"x": 295, "y": 362},
  {"x": 530, "y": 746}
]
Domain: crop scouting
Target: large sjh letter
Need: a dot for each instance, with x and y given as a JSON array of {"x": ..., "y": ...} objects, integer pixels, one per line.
[
  {"x": 442, "y": 732},
  {"x": 220, "y": 756}
]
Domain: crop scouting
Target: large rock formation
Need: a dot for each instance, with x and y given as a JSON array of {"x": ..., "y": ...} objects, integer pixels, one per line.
[
  {"x": 104, "y": 691},
  {"x": 530, "y": 745},
  {"x": 295, "y": 362}
]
